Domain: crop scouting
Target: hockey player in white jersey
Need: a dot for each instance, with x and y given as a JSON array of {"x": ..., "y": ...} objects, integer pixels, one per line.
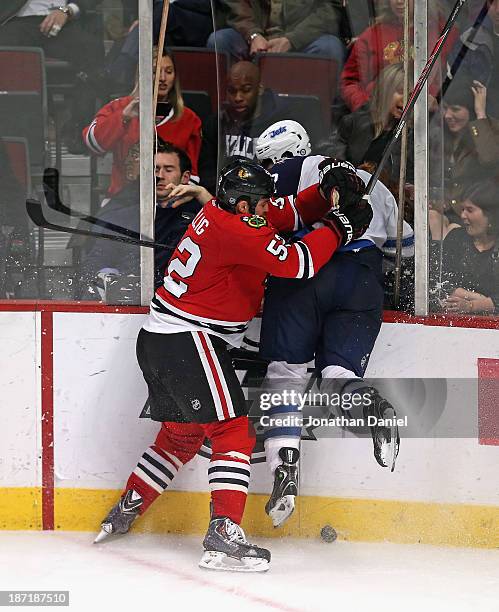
[{"x": 334, "y": 318}]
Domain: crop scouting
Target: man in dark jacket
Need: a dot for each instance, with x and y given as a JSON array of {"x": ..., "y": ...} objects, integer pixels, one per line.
[
  {"x": 103, "y": 260},
  {"x": 279, "y": 26},
  {"x": 61, "y": 33},
  {"x": 249, "y": 111}
]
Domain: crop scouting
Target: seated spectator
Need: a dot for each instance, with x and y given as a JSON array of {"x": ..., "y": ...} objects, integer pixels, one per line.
[
  {"x": 470, "y": 139},
  {"x": 189, "y": 24},
  {"x": 249, "y": 111},
  {"x": 477, "y": 53},
  {"x": 104, "y": 260},
  {"x": 260, "y": 26},
  {"x": 55, "y": 27},
  {"x": 381, "y": 45},
  {"x": 470, "y": 268},
  {"x": 116, "y": 126},
  {"x": 363, "y": 135}
]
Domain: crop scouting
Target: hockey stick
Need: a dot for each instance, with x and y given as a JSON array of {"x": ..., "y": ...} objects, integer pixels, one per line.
[
  {"x": 161, "y": 44},
  {"x": 416, "y": 93},
  {"x": 51, "y": 190},
  {"x": 465, "y": 47},
  {"x": 35, "y": 213}
]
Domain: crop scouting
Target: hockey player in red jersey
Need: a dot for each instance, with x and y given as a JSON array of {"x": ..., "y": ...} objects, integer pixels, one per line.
[{"x": 213, "y": 286}]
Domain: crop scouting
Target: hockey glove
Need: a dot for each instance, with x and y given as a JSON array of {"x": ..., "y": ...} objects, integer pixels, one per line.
[
  {"x": 340, "y": 176},
  {"x": 351, "y": 222}
]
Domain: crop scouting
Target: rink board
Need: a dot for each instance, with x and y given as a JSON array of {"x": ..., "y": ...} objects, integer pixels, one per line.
[{"x": 72, "y": 432}]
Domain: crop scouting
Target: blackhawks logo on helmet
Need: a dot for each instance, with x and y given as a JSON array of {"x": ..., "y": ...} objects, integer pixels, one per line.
[
  {"x": 243, "y": 173},
  {"x": 254, "y": 221}
]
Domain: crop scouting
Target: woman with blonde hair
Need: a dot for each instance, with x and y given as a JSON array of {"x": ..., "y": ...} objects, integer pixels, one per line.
[
  {"x": 116, "y": 127},
  {"x": 362, "y": 136}
]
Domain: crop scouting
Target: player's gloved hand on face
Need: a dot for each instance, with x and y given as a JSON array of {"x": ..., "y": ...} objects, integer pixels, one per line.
[
  {"x": 350, "y": 223},
  {"x": 335, "y": 174}
]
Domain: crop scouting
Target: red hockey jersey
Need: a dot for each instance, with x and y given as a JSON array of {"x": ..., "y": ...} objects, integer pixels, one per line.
[
  {"x": 215, "y": 278},
  {"x": 107, "y": 132}
]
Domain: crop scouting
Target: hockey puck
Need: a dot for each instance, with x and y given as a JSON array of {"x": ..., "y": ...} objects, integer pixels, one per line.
[{"x": 328, "y": 534}]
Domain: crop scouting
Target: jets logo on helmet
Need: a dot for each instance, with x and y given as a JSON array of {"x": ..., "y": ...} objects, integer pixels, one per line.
[{"x": 283, "y": 139}]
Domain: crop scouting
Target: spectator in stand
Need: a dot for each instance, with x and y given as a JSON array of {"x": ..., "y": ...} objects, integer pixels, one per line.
[
  {"x": 363, "y": 135},
  {"x": 481, "y": 58},
  {"x": 116, "y": 126},
  {"x": 274, "y": 26},
  {"x": 470, "y": 139},
  {"x": 104, "y": 260},
  {"x": 470, "y": 262},
  {"x": 249, "y": 111},
  {"x": 189, "y": 24},
  {"x": 54, "y": 26},
  {"x": 381, "y": 45}
]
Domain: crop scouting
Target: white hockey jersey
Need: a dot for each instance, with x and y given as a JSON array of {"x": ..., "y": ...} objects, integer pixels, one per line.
[{"x": 382, "y": 230}]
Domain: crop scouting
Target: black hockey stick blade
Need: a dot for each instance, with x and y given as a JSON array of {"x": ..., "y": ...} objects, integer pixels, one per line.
[
  {"x": 418, "y": 88},
  {"x": 35, "y": 213},
  {"x": 51, "y": 190}
]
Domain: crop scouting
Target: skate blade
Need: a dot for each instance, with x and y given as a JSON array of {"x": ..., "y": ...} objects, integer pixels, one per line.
[
  {"x": 389, "y": 451},
  {"x": 105, "y": 535},
  {"x": 102, "y": 535},
  {"x": 219, "y": 561},
  {"x": 283, "y": 509}
]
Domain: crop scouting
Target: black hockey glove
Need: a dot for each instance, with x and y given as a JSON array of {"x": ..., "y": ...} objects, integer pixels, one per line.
[
  {"x": 350, "y": 222},
  {"x": 340, "y": 175}
]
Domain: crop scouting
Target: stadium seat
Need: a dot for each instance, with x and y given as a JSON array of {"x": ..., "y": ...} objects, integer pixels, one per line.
[
  {"x": 199, "y": 102},
  {"x": 307, "y": 111},
  {"x": 301, "y": 73},
  {"x": 23, "y": 100},
  {"x": 197, "y": 70}
]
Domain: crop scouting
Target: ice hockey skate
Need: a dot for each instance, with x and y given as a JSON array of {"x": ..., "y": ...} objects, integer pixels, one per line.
[
  {"x": 386, "y": 438},
  {"x": 226, "y": 549},
  {"x": 281, "y": 503},
  {"x": 121, "y": 516}
]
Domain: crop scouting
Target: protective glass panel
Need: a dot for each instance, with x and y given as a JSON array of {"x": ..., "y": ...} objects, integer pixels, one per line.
[
  {"x": 464, "y": 147},
  {"x": 69, "y": 139}
]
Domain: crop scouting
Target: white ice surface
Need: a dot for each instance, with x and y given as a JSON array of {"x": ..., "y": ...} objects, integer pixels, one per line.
[{"x": 149, "y": 573}]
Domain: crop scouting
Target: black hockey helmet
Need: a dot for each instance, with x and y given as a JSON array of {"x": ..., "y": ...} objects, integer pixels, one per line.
[{"x": 244, "y": 179}]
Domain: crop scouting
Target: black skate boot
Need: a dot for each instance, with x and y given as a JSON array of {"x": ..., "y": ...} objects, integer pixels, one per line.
[
  {"x": 226, "y": 548},
  {"x": 386, "y": 438},
  {"x": 281, "y": 503},
  {"x": 121, "y": 516}
]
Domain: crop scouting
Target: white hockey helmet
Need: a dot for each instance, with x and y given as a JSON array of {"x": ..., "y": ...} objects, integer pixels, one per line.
[{"x": 286, "y": 138}]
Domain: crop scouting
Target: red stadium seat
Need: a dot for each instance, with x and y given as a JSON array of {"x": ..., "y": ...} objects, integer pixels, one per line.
[
  {"x": 23, "y": 100},
  {"x": 22, "y": 69},
  {"x": 197, "y": 70},
  {"x": 301, "y": 73}
]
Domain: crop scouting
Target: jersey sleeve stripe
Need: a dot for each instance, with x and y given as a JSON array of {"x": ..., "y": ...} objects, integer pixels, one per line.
[
  {"x": 91, "y": 140},
  {"x": 307, "y": 270},
  {"x": 298, "y": 224},
  {"x": 301, "y": 260}
]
